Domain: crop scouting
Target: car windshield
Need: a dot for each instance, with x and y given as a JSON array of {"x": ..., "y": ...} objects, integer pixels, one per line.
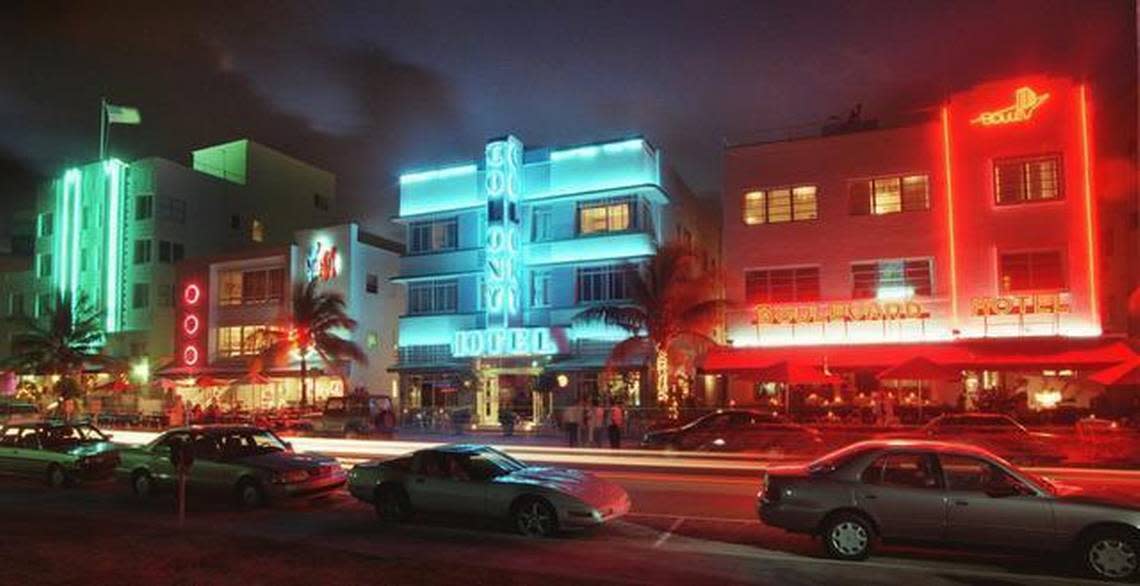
[
  {"x": 239, "y": 444},
  {"x": 505, "y": 462},
  {"x": 69, "y": 435}
]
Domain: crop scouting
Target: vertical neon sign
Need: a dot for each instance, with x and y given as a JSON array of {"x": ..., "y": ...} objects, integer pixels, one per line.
[
  {"x": 1090, "y": 216},
  {"x": 503, "y": 185},
  {"x": 113, "y": 168}
]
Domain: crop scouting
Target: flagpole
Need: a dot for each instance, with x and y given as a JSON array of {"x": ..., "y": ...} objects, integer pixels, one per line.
[{"x": 102, "y": 128}]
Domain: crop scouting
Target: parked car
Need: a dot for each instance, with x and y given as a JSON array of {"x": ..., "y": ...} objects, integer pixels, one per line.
[
  {"x": 998, "y": 433},
  {"x": 18, "y": 412},
  {"x": 59, "y": 453},
  {"x": 950, "y": 494},
  {"x": 249, "y": 463},
  {"x": 735, "y": 430},
  {"x": 476, "y": 480},
  {"x": 355, "y": 415}
]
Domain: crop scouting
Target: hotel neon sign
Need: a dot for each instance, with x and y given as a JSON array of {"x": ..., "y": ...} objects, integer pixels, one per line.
[
  {"x": 1025, "y": 101},
  {"x": 1048, "y": 303},
  {"x": 504, "y": 342},
  {"x": 845, "y": 311}
]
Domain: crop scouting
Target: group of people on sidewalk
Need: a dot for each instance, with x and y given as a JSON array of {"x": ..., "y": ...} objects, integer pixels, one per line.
[{"x": 592, "y": 423}]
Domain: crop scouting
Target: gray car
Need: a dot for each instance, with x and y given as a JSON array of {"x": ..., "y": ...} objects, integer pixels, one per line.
[
  {"x": 475, "y": 480},
  {"x": 953, "y": 494}
]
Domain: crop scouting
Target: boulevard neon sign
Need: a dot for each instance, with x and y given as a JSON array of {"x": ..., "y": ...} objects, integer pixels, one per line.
[
  {"x": 829, "y": 312},
  {"x": 1025, "y": 101},
  {"x": 504, "y": 342}
]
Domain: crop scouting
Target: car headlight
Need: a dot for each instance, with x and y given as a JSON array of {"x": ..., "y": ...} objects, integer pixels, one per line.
[{"x": 291, "y": 476}]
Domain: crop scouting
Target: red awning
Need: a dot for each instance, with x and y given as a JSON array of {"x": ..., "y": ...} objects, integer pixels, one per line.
[
  {"x": 1123, "y": 374},
  {"x": 993, "y": 354}
]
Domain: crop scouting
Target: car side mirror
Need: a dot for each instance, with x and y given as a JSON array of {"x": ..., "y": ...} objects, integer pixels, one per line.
[{"x": 288, "y": 446}]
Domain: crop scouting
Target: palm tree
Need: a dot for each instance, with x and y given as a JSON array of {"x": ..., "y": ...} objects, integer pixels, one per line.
[
  {"x": 63, "y": 342},
  {"x": 671, "y": 310},
  {"x": 312, "y": 328}
]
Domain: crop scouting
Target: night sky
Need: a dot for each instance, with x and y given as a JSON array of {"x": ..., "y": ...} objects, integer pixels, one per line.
[{"x": 367, "y": 89}]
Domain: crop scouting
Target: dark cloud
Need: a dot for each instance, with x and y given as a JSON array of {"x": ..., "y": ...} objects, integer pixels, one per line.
[{"x": 367, "y": 89}]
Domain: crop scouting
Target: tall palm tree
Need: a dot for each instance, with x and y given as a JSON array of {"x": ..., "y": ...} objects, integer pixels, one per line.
[
  {"x": 312, "y": 328},
  {"x": 671, "y": 310},
  {"x": 63, "y": 342}
]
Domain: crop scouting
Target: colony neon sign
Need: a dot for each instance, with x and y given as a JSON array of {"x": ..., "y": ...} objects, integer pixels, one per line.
[
  {"x": 1025, "y": 102},
  {"x": 504, "y": 342},
  {"x": 501, "y": 273}
]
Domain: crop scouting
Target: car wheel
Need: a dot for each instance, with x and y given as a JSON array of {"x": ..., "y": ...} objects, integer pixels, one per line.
[
  {"x": 848, "y": 536},
  {"x": 391, "y": 503},
  {"x": 56, "y": 477},
  {"x": 1112, "y": 554},
  {"x": 142, "y": 484},
  {"x": 534, "y": 517},
  {"x": 249, "y": 494}
]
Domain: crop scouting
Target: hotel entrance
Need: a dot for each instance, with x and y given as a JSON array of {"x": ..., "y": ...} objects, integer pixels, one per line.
[{"x": 509, "y": 388}]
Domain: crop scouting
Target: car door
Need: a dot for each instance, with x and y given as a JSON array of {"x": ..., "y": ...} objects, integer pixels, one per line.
[
  {"x": 987, "y": 505},
  {"x": 427, "y": 485},
  {"x": 904, "y": 493},
  {"x": 8, "y": 440},
  {"x": 158, "y": 457},
  {"x": 210, "y": 472},
  {"x": 705, "y": 432},
  {"x": 27, "y": 457}
]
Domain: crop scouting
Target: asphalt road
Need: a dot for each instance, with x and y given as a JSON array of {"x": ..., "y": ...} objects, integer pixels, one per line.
[{"x": 686, "y": 527}]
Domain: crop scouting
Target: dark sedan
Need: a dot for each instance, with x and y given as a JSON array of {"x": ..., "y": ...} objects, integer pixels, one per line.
[
  {"x": 951, "y": 494},
  {"x": 60, "y": 453},
  {"x": 736, "y": 430},
  {"x": 995, "y": 432}
]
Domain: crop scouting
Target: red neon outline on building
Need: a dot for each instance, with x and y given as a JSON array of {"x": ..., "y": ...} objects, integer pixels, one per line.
[
  {"x": 187, "y": 328},
  {"x": 1090, "y": 231},
  {"x": 192, "y": 294},
  {"x": 190, "y": 355},
  {"x": 950, "y": 216}
]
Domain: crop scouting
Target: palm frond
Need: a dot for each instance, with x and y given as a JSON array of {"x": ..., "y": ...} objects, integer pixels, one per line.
[{"x": 630, "y": 318}]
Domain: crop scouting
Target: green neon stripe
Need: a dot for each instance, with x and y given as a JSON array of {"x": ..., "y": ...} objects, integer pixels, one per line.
[
  {"x": 114, "y": 169},
  {"x": 76, "y": 209}
]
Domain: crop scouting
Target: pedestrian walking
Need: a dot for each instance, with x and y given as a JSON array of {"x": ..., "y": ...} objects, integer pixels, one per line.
[
  {"x": 597, "y": 424},
  {"x": 570, "y": 419},
  {"x": 617, "y": 420}
]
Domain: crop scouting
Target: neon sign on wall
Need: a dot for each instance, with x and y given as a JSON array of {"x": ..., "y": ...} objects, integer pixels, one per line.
[
  {"x": 504, "y": 342},
  {"x": 1025, "y": 101},
  {"x": 501, "y": 273},
  {"x": 322, "y": 263}
]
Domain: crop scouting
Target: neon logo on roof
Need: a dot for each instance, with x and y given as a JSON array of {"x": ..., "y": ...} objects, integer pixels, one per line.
[{"x": 1025, "y": 101}]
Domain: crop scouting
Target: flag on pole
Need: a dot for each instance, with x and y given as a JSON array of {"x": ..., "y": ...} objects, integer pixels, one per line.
[{"x": 123, "y": 114}]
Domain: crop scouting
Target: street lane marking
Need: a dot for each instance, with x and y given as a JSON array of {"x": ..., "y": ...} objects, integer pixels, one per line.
[
  {"x": 695, "y": 518},
  {"x": 664, "y": 536}
]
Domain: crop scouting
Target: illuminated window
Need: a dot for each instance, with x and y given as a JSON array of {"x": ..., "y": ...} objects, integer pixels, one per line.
[
  {"x": 608, "y": 215},
  {"x": 785, "y": 285},
  {"x": 434, "y": 235},
  {"x": 755, "y": 208},
  {"x": 43, "y": 265},
  {"x": 1041, "y": 270},
  {"x": 251, "y": 287},
  {"x": 140, "y": 296},
  {"x": 540, "y": 289},
  {"x": 257, "y": 230},
  {"x": 540, "y": 228},
  {"x": 15, "y": 304},
  {"x": 46, "y": 224},
  {"x": 889, "y": 195},
  {"x": 891, "y": 279},
  {"x": 142, "y": 251},
  {"x": 144, "y": 207},
  {"x": 1027, "y": 180},
  {"x": 234, "y": 341},
  {"x": 602, "y": 283},
  {"x": 785, "y": 204},
  {"x": 427, "y": 297}
]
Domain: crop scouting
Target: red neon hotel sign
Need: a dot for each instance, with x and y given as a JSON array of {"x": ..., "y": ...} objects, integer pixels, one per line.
[{"x": 1025, "y": 101}]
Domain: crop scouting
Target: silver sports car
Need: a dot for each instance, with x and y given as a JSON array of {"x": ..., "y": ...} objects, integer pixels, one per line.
[
  {"x": 956, "y": 494},
  {"x": 482, "y": 481}
]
